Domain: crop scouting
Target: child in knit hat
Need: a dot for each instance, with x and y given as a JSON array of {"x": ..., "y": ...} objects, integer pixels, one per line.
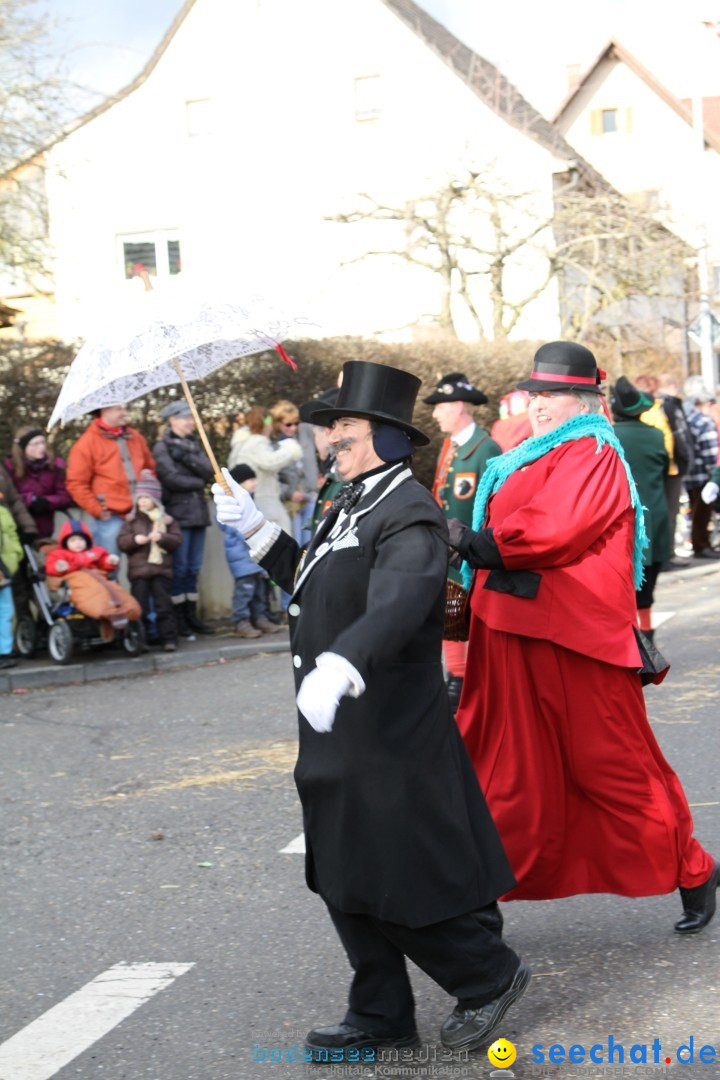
[
  {"x": 251, "y": 614},
  {"x": 148, "y": 537}
]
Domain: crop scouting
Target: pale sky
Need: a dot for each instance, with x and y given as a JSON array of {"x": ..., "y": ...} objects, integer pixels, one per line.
[{"x": 107, "y": 42}]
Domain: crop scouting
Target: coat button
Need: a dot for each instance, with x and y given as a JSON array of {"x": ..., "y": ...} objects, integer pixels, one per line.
[
  {"x": 297, "y": 661},
  {"x": 294, "y": 609},
  {"x": 322, "y": 549}
]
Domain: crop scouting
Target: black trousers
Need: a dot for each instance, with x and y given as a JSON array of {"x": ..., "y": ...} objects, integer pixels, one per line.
[
  {"x": 463, "y": 957},
  {"x": 645, "y": 595},
  {"x": 160, "y": 588},
  {"x": 701, "y": 514}
]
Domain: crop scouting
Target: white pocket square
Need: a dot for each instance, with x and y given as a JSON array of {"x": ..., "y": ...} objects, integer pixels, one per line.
[{"x": 349, "y": 540}]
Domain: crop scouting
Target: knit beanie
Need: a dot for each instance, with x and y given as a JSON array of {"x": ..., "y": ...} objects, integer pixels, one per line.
[
  {"x": 241, "y": 473},
  {"x": 149, "y": 485}
]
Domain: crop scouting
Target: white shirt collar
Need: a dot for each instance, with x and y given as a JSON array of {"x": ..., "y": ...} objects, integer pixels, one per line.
[
  {"x": 369, "y": 483},
  {"x": 465, "y": 435}
]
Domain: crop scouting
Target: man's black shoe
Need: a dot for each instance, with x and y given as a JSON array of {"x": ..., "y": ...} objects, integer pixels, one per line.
[
  {"x": 346, "y": 1037},
  {"x": 699, "y": 904},
  {"x": 706, "y": 553},
  {"x": 466, "y": 1029}
]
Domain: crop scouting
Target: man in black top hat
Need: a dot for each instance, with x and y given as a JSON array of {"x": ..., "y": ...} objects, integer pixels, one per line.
[
  {"x": 399, "y": 842},
  {"x": 464, "y": 454}
]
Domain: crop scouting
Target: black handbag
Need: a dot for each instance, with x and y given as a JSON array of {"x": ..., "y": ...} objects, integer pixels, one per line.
[{"x": 654, "y": 665}]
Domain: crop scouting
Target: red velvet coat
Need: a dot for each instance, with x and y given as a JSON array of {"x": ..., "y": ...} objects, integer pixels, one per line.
[{"x": 567, "y": 517}]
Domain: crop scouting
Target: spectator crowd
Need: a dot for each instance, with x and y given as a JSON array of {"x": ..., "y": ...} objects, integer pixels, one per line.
[{"x": 151, "y": 506}]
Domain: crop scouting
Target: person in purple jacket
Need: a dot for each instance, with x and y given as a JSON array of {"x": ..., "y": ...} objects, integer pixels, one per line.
[{"x": 40, "y": 480}]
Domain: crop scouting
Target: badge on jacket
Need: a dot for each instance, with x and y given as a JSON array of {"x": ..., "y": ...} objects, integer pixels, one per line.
[{"x": 464, "y": 485}]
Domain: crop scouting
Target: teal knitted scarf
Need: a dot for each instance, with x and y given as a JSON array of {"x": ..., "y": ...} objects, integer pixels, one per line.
[{"x": 578, "y": 427}]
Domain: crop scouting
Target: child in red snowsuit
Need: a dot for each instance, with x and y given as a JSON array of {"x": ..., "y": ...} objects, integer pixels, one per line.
[{"x": 85, "y": 567}]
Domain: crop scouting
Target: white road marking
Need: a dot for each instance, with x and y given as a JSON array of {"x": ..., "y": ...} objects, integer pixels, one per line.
[
  {"x": 660, "y": 617},
  {"x": 49, "y": 1043},
  {"x": 295, "y": 847}
]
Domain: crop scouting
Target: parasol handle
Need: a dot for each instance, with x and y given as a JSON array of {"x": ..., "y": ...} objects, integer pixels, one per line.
[{"x": 201, "y": 430}]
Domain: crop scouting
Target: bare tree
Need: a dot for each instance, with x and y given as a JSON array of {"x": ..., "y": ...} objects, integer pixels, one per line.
[
  {"x": 471, "y": 230},
  {"x": 622, "y": 273},
  {"x": 31, "y": 108},
  {"x": 495, "y": 251}
]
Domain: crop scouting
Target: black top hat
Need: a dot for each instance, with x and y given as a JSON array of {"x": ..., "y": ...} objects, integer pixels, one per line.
[
  {"x": 375, "y": 392},
  {"x": 327, "y": 398},
  {"x": 627, "y": 401},
  {"x": 564, "y": 365},
  {"x": 455, "y": 387}
]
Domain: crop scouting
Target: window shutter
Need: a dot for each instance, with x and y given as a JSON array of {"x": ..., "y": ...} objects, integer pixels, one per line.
[
  {"x": 628, "y": 120},
  {"x": 596, "y": 124}
]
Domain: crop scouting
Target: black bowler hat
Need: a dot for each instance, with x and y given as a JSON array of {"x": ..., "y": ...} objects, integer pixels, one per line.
[
  {"x": 564, "y": 365},
  {"x": 324, "y": 400},
  {"x": 455, "y": 387},
  {"x": 627, "y": 401},
  {"x": 375, "y": 392}
]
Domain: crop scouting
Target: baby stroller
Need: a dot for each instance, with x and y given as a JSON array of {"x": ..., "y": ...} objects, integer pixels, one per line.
[{"x": 60, "y": 626}]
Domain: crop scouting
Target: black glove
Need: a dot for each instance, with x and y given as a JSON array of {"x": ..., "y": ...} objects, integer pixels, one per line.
[
  {"x": 478, "y": 549},
  {"x": 457, "y": 529},
  {"x": 39, "y": 505}
]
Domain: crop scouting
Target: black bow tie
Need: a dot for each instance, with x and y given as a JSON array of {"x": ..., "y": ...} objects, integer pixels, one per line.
[{"x": 346, "y": 498}]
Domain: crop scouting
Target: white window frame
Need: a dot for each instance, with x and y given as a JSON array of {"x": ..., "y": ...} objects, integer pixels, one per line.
[
  {"x": 160, "y": 239},
  {"x": 363, "y": 110},
  {"x": 198, "y": 117}
]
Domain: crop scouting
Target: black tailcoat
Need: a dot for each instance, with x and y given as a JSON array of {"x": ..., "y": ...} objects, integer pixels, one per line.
[{"x": 395, "y": 823}]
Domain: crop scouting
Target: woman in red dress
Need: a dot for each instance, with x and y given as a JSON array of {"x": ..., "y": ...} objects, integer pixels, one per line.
[{"x": 552, "y": 710}]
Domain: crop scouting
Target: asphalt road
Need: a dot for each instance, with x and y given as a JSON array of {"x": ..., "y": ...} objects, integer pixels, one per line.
[{"x": 143, "y": 821}]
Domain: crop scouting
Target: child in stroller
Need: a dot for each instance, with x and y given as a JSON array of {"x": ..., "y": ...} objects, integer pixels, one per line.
[{"x": 90, "y": 607}]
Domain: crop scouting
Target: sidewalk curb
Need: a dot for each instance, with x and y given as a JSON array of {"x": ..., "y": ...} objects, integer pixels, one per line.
[
  {"x": 687, "y": 573},
  {"x": 18, "y": 679}
]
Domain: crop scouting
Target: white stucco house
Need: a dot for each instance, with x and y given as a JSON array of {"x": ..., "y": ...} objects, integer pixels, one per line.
[
  {"x": 254, "y": 123},
  {"x": 648, "y": 144}
]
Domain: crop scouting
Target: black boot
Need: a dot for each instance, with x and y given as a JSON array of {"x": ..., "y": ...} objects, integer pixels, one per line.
[
  {"x": 699, "y": 904},
  {"x": 191, "y": 618},
  {"x": 454, "y": 689},
  {"x": 182, "y": 627}
]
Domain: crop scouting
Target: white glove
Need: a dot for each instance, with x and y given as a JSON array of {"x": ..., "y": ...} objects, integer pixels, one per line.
[
  {"x": 237, "y": 510},
  {"x": 710, "y": 492},
  {"x": 319, "y": 696}
]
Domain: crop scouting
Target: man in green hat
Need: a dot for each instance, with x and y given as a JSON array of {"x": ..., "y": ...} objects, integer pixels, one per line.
[{"x": 465, "y": 453}]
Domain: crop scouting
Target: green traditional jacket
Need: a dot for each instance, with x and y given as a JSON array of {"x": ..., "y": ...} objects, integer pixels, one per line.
[
  {"x": 649, "y": 463},
  {"x": 457, "y": 477},
  {"x": 326, "y": 494}
]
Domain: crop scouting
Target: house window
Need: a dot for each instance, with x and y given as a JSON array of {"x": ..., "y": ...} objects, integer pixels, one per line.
[
  {"x": 156, "y": 253},
  {"x": 716, "y": 281},
  {"x": 368, "y": 105},
  {"x": 198, "y": 116},
  {"x": 609, "y": 121}
]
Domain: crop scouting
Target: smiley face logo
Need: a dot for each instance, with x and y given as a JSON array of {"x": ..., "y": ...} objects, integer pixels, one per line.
[{"x": 502, "y": 1054}]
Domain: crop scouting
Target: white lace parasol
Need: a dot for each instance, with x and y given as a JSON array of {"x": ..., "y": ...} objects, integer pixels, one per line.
[{"x": 162, "y": 336}]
